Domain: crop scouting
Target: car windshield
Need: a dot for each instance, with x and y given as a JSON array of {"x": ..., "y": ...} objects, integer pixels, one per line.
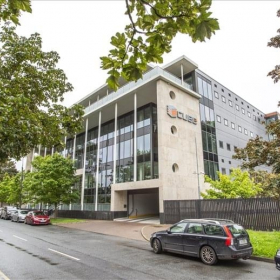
[
  {"x": 39, "y": 214},
  {"x": 236, "y": 230},
  {"x": 23, "y": 212}
]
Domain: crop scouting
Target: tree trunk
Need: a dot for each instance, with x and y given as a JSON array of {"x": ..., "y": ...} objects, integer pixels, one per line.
[{"x": 55, "y": 211}]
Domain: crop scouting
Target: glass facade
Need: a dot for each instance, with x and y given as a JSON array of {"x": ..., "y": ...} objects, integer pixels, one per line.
[
  {"x": 210, "y": 153},
  {"x": 147, "y": 155}
]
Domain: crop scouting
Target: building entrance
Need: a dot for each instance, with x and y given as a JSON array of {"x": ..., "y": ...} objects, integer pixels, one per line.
[{"x": 143, "y": 203}]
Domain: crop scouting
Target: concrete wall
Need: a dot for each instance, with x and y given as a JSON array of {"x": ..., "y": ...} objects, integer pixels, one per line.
[{"x": 180, "y": 147}]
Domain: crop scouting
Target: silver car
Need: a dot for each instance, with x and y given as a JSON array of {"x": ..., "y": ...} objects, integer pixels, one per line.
[{"x": 19, "y": 215}]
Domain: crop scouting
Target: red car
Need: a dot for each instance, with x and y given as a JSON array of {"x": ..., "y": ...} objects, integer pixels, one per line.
[{"x": 37, "y": 218}]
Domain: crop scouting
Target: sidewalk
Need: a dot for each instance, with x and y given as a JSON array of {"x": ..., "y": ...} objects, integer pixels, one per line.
[{"x": 135, "y": 231}]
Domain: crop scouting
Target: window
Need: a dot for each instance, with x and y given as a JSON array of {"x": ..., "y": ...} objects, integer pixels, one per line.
[
  {"x": 249, "y": 114},
  {"x": 229, "y": 94},
  {"x": 254, "y": 117},
  {"x": 222, "y": 90},
  {"x": 215, "y": 85},
  {"x": 233, "y": 125},
  {"x": 194, "y": 228},
  {"x": 214, "y": 230},
  {"x": 236, "y": 99},
  {"x": 179, "y": 227},
  {"x": 243, "y": 111},
  {"x": 223, "y": 99},
  {"x": 226, "y": 122},
  {"x": 248, "y": 106},
  {"x": 229, "y": 162},
  {"x": 223, "y": 160},
  {"x": 242, "y": 102},
  {"x": 245, "y": 131},
  {"x": 251, "y": 134},
  {"x": 237, "y": 107},
  {"x": 218, "y": 118},
  {"x": 235, "y": 148},
  {"x": 230, "y": 103},
  {"x": 228, "y": 147},
  {"x": 224, "y": 171},
  {"x": 221, "y": 144},
  {"x": 216, "y": 94},
  {"x": 239, "y": 128}
]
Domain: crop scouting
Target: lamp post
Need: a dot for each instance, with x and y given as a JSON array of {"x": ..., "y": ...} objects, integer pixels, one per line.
[{"x": 197, "y": 173}]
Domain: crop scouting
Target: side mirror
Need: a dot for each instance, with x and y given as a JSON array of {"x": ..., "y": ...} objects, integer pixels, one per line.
[{"x": 168, "y": 231}]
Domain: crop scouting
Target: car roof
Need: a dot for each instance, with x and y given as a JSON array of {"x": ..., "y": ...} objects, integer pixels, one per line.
[{"x": 210, "y": 221}]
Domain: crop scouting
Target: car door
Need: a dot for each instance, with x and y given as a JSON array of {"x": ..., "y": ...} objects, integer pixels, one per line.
[
  {"x": 192, "y": 238},
  {"x": 174, "y": 238}
]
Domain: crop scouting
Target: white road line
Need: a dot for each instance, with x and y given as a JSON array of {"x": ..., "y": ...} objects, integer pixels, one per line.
[
  {"x": 19, "y": 238},
  {"x": 64, "y": 254},
  {"x": 3, "y": 276}
]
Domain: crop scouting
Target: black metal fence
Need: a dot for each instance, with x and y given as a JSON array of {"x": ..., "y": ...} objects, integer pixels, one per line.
[{"x": 252, "y": 213}]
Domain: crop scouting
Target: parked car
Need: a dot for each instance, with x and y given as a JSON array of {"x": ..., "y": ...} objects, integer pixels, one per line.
[
  {"x": 37, "y": 218},
  {"x": 208, "y": 239},
  {"x": 7, "y": 212},
  {"x": 19, "y": 215},
  {"x": 277, "y": 259}
]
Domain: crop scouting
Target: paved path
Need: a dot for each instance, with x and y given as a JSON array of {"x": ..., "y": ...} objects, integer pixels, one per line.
[{"x": 136, "y": 231}]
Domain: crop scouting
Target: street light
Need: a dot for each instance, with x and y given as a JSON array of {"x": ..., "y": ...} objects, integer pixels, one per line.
[{"x": 198, "y": 185}]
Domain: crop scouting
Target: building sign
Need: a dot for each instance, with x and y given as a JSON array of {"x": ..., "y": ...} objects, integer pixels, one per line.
[{"x": 174, "y": 113}]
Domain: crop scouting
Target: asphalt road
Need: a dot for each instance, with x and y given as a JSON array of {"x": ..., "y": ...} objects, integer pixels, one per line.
[{"x": 52, "y": 252}]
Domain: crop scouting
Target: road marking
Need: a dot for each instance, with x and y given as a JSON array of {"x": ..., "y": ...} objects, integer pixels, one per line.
[
  {"x": 3, "y": 276},
  {"x": 19, "y": 238},
  {"x": 64, "y": 254}
]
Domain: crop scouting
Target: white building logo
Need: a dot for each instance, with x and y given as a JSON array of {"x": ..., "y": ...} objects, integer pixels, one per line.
[{"x": 174, "y": 113}]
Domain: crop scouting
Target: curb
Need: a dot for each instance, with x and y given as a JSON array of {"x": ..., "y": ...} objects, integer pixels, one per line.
[
  {"x": 261, "y": 259},
  {"x": 142, "y": 233}
]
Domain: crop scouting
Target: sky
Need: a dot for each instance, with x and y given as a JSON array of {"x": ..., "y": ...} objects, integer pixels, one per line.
[{"x": 237, "y": 56}]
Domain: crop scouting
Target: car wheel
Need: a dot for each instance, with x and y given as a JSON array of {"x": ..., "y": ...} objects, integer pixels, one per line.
[
  {"x": 157, "y": 248},
  {"x": 208, "y": 255}
]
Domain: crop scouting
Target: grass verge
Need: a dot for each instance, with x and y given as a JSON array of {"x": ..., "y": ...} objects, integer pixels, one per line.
[
  {"x": 265, "y": 243},
  {"x": 65, "y": 221}
]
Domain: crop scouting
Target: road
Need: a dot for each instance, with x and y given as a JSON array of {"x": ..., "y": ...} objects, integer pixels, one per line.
[{"x": 52, "y": 252}]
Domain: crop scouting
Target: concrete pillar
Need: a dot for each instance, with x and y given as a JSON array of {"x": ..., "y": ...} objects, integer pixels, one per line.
[
  {"x": 115, "y": 144},
  {"x": 135, "y": 138},
  {"x": 97, "y": 161},
  {"x": 84, "y": 169}
]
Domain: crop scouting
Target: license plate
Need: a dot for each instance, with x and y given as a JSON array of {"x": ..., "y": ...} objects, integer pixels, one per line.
[
  {"x": 42, "y": 221},
  {"x": 243, "y": 242}
]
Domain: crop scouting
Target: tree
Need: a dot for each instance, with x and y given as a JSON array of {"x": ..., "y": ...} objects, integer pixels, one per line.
[
  {"x": 262, "y": 152},
  {"x": 153, "y": 26},
  {"x": 53, "y": 180},
  {"x": 31, "y": 87},
  {"x": 236, "y": 185},
  {"x": 7, "y": 167},
  {"x": 10, "y": 9},
  {"x": 275, "y": 42},
  {"x": 5, "y": 189}
]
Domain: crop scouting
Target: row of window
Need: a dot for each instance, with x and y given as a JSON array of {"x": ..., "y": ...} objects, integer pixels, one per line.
[
  {"x": 230, "y": 103},
  {"x": 228, "y": 146},
  {"x": 226, "y": 123}
]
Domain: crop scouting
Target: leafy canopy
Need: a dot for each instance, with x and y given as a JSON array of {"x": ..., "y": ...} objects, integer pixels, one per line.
[
  {"x": 153, "y": 26},
  {"x": 262, "y": 152},
  {"x": 236, "y": 185},
  {"x": 52, "y": 180},
  {"x": 31, "y": 87},
  {"x": 275, "y": 42},
  {"x": 11, "y": 9}
]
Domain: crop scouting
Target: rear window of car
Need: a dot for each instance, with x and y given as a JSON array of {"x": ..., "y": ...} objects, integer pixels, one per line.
[
  {"x": 23, "y": 212},
  {"x": 214, "y": 230},
  {"x": 39, "y": 214},
  {"x": 236, "y": 230}
]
